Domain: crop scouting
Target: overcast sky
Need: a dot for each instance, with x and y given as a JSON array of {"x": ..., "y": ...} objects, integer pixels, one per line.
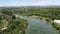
[{"x": 28, "y": 2}]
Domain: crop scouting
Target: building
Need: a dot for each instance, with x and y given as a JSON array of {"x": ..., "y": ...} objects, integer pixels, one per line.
[{"x": 57, "y": 21}]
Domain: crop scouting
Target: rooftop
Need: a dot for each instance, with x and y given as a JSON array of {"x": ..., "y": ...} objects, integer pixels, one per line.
[{"x": 57, "y": 21}]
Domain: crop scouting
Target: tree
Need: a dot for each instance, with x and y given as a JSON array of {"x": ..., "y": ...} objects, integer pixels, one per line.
[{"x": 13, "y": 17}]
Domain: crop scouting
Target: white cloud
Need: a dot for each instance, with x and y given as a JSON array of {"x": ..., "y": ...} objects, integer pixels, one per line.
[{"x": 31, "y": 3}]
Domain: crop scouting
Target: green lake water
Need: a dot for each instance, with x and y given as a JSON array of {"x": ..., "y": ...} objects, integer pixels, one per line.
[{"x": 37, "y": 26}]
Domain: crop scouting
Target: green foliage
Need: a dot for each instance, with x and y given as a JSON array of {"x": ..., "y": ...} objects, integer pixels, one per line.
[
  {"x": 48, "y": 20},
  {"x": 53, "y": 13},
  {"x": 17, "y": 25},
  {"x": 14, "y": 25},
  {"x": 13, "y": 17}
]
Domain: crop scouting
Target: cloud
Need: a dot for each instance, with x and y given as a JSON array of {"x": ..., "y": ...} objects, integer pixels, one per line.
[{"x": 31, "y": 3}]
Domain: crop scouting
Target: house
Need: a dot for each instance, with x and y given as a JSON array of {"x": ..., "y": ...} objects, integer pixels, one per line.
[
  {"x": 4, "y": 28},
  {"x": 57, "y": 21}
]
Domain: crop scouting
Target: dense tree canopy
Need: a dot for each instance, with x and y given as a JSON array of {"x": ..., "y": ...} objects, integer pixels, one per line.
[{"x": 16, "y": 25}]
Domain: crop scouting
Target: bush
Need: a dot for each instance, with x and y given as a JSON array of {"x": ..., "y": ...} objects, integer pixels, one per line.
[{"x": 48, "y": 20}]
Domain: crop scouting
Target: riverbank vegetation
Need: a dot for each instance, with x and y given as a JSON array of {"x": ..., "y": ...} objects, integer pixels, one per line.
[{"x": 47, "y": 14}]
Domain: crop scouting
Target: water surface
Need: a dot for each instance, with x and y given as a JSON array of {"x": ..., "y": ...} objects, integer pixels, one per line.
[{"x": 37, "y": 26}]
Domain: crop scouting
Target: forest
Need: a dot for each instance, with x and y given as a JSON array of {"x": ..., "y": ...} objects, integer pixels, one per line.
[{"x": 17, "y": 25}]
